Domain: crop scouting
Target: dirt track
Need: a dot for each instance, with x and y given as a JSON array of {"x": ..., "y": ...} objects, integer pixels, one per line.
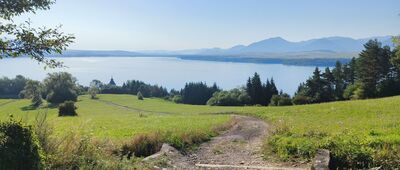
[{"x": 238, "y": 148}]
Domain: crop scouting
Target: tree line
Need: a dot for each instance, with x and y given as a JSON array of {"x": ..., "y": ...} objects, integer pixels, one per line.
[
  {"x": 10, "y": 88},
  {"x": 62, "y": 86},
  {"x": 197, "y": 93},
  {"x": 375, "y": 73},
  {"x": 129, "y": 87},
  {"x": 254, "y": 93}
]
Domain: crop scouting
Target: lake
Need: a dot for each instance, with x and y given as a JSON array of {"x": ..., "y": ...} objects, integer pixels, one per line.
[{"x": 169, "y": 72}]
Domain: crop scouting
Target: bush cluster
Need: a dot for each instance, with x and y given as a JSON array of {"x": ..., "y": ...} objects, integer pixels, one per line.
[
  {"x": 19, "y": 147},
  {"x": 142, "y": 145},
  {"x": 140, "y": 96},
  {"x": 67, "y": 108},
  {"x": 235, "y": 97}
]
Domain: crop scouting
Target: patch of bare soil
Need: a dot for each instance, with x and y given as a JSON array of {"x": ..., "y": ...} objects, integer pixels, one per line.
[{"x": 240, "y": 147}]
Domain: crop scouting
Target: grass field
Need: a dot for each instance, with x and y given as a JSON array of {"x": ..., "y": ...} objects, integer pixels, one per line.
[
  {"x": 105, "y": 120},
  {"x": 361, "y": 133}
]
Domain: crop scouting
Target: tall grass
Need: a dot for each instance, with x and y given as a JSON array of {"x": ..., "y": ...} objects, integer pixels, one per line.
[
  {"x": 146, "y": 144},
  {"x": 78, "y": 149},
  {"x": 359, "y": 134},
  {"x": 75, "y": 150}
]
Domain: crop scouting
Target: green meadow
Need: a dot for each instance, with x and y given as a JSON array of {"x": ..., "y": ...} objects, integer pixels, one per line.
[
  {"x": 358, "y": 133},
  {"x": 109, "y": 121},
  {"x": 362, "y": 133}
]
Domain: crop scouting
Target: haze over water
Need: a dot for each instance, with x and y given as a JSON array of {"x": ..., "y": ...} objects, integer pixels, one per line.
[{"x": 169, "y": 72}]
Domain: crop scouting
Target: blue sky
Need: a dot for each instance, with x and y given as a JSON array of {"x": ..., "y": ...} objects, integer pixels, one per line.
[{"x": 188, "y": 24}]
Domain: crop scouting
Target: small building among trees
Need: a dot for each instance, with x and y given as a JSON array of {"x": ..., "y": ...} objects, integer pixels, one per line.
[{"x": 112, "y": 82}]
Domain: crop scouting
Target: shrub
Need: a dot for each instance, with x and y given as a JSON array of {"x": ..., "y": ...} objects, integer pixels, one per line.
[
  {"x": 93, "y": 92},
  {"x": 187, "y": 140},
  {"x": 353, "y": 92},
  {"x": 388, "y": 157},
  {"x": 139, "y": 96},
  {"x": 36, "y": 100},
  {"x": 281, "y": 100},
  {"x": 177, "y": 99},
  {"x": 234, "y": 97},
  {"x": 300, "y": 99},
  {"x": 287, "y": 146},
  {"x": 67, "y": 108},
  {"x": 19, "y": 147},
  {"x": 142, "y": 145},
  {"x": 349, "y": 152}
]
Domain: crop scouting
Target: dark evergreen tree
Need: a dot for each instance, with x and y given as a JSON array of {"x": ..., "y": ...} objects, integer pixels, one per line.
[
  {"x": 269, "y": 91},
  {"x": 258, "y": 92},
  {"x": 339, "y": 80},
  {"x": 250, "y": 90},
  {"x": 372, "y": 74},
  {"x": 315, "y": 86},
  {"x": 318, "y": 88},
  {"x": 328, "y": 85},
  {"x": 349, "y": 71},
  {"x": 396, "y": 53},
  {"x": 274, "y": 89},
  {"x": 198, "y": 93},
  {"x": 372, "y": 67}
]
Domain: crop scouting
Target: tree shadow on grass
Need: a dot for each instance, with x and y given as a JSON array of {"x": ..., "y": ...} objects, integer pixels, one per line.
[
  {"x": 27, "y": 108},
  {"x": 48, "y": 106}
]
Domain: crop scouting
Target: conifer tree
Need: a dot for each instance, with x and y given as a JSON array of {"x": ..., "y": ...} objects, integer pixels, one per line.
[
  {"x": 339, "y": 81},
  {"x": 372, "y": 66}
]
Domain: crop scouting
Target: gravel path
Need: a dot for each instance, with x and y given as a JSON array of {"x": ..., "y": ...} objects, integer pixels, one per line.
[{"x": 238, "y": 148}]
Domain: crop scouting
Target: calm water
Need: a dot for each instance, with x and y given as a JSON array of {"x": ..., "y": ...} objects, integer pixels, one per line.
[{"x": 168, "y": 72}]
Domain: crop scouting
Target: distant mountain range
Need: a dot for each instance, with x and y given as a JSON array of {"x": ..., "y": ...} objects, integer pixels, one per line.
[
  {"x": 272, "y": 50},
  {"x": 279, "y": 45}
]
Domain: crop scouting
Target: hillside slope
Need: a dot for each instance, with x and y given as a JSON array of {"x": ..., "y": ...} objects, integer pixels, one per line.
[{"x": 360, "y": 134}]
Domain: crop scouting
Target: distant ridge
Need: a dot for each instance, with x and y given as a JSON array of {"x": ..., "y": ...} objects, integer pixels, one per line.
[
  {"x": 280, "y": 45},
  {"x": 273, "y": 47},
  {"x": 315, "y": 52}
]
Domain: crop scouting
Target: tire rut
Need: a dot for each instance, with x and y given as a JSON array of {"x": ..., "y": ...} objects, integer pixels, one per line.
[
  {"x": 129, "y": 108},
  {"x": 5, "y": 103}
]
